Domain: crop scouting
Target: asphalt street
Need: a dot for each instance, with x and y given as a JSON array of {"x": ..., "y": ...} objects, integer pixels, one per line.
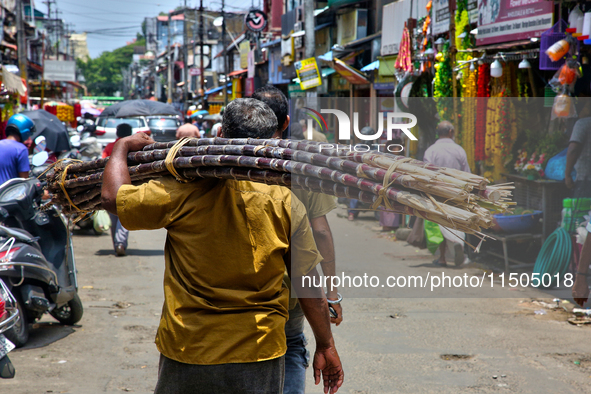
[{"x": 392, "y": 340}]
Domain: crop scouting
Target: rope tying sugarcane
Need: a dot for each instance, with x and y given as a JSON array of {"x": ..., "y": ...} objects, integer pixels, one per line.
[{"x": 169, "y": 161}]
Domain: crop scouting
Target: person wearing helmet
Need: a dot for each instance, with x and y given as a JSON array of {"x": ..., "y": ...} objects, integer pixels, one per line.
[{"x": 14, "y": 155}]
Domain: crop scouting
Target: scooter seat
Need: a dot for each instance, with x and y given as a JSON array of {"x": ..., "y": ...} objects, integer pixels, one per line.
[{"x": 18, "y": 234}]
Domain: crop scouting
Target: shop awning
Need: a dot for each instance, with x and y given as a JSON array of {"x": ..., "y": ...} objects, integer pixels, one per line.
[
  {"x": 327, "y": 71},
  {"x": 387, "y": 67},
  {"x": 349, "y": 73},
  {"x": 215, "y": 90},
  {"x": 13, "y": 82},
  {"x": 505, "y": 45},
  {"x": 327, "y": 57},
  {"x": 361, "y": 41},
  {"x": 237, "y": 72},
  {"x": 371, "y": 66},
  {"x": 271, "y": 43}
]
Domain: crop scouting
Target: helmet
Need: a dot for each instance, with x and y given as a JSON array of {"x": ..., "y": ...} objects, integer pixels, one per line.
[{"x": 24, "y": 124}]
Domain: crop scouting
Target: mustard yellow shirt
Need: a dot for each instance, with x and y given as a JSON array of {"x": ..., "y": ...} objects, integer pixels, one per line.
[{"x": 224, "y": 264}]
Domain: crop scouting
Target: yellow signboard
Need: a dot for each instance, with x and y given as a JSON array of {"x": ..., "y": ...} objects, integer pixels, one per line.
[
  {"x": 308, "y": 73},
  {"x": 244, "y": 49}
]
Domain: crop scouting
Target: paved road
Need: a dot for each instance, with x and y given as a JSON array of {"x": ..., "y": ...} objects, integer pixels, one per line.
[{"x": 388, "y": 345}]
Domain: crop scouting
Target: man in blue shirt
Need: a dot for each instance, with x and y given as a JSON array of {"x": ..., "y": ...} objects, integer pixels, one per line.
[{"x": 14, "y": 156}]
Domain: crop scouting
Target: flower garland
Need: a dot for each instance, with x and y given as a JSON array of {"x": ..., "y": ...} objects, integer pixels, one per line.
[
  {"x": 442, "y": 84},
  {"x": 469, "y": 107},
  {"x": 481, "y": 112},
  {"x": 403, "y": 61}
]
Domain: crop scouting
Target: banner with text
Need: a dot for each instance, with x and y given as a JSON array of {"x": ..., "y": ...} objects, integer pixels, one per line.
[{"x": 512, "y": 20}]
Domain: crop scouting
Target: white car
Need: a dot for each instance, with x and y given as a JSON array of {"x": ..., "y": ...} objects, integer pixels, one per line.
[{"x": 106, "y": 127}]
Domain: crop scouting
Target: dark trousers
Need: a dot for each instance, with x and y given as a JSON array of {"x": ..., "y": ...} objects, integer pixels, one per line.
[{"x": 263, "y": 377}]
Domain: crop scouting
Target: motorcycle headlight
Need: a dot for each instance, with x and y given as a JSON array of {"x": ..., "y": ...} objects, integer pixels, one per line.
[{"x": 17, "y": 192}]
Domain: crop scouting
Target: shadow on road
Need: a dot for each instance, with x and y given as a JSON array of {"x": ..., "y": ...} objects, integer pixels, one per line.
[
  {"x": 132, "y": 252},
  {"x": 46, "y": 333}
]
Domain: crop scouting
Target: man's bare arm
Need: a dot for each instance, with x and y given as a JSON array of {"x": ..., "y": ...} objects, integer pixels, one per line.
[
  {"x": 116, "y": 173},
  {"x": 572, "y": 155},
  {"x": 326, "y": 359},
  {"x": 325, "y": 245}
]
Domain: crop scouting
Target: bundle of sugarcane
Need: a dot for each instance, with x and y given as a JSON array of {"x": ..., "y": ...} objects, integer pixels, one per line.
[{"x": 453, "y": 198}]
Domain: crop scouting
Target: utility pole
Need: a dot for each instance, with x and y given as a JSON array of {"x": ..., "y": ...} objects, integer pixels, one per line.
[
  {"x": 185, "y": 56},
  {"x": 58, "y": 29},
  {"x": 21, "y": 39},
  {"x": 169, "y": 98},
  {"x": 310, "y": 39},
  {"x": 224, "y": 88},
  {"x": 201, "y": 28}
]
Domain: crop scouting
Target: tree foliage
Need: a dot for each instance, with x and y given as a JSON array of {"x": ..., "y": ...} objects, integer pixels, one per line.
[{"x": 103, "y": 74}]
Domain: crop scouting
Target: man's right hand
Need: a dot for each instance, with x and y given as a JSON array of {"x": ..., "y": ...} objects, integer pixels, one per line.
[
  {"x": 568, "y": 180},
  {"x": 328, "y": 363},
  {"x": 136, "y": 142}
]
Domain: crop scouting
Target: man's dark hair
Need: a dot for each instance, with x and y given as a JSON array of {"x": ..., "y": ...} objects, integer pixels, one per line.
[
  {"x": 12, "y": 130},
  {"x": 297, "y": 133},
  {"x": 444, "y": 128},
  {"x": 124, "y": 130},
  {"x": 276, "y": 100},
  {"x": 248, "y": 118}
]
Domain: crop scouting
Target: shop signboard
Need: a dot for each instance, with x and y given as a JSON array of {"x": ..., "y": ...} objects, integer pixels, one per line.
[
  {"x": 440, "y": 21},
  {"x": 349, "y": 73},
  {"x": 394, "y": 16},
  {"x": 251, "y": 64},
  {"x": 193, "y": 71},
  {"x": 59, "y": 70},
  {"x": 244, "y": 49},
  {"x": 512, "y": 20},
  {"x": 308, "y": 73}
]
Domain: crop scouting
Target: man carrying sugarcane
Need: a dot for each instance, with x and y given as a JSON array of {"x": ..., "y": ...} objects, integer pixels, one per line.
[
  {"x": 222, "y": 325},
  {"x": 317, "y": 206}
]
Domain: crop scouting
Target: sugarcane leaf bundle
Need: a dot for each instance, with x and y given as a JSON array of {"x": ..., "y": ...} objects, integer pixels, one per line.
[{"x": 452, "y": 198}]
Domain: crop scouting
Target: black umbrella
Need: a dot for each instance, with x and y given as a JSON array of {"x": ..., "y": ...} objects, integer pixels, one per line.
[
  {"x": 130, "y": 108},
  {"x": 49, "y": 126}
]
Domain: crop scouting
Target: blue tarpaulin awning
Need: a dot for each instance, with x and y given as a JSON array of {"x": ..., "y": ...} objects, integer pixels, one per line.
[
  {"x": 215, "y": 90},
  {"x": 327, "y": 57},
  {"x": 372, "y": 66}
]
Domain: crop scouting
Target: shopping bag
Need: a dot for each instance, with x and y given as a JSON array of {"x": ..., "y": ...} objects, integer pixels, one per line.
[{"x": 433, "y": 236}]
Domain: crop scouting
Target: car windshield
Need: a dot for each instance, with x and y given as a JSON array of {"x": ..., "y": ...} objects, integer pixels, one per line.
[
  {"x": 113, "y": 122},
  {"x": 162, "y": 122}
]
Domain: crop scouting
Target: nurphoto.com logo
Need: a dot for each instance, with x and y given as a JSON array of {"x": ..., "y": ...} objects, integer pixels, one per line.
[{"x": 394, "y": 122}]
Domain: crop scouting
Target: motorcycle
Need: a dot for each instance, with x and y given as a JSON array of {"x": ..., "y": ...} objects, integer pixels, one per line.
[
  {"x": 40, "y": 270},
  {"x": 8, "y": 318}
]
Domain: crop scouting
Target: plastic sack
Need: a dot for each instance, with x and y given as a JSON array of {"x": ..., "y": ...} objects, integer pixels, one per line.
[
  {"x": 433, "y": 235},
  {"x": 556, "y": 165},
  {"x": 101, "y": 221},
  {"x": 564, "y": 107}
]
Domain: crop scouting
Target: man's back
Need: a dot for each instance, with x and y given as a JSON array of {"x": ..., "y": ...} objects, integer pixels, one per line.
[
  {"x": 224, "y": 253},
  {"x": 13, "y": 159},
  {"x": 446, "y": 153}
]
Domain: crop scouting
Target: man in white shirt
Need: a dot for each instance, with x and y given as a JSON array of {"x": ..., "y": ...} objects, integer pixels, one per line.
[{"x": 446, "y": 153}]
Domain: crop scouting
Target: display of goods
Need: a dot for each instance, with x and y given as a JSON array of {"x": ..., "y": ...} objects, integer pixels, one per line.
[
  {"x": 65, "y": 113},
  {"x": 558, "y": 50},
  {"x": 449, "y": 197}
]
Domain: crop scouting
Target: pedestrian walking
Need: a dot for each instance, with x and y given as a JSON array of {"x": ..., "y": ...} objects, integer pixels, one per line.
[
  {"x": 228, "y": 244},
  {"x": 119, "y": 234},
  {"x": 446, "y": 153},
  {"x": 317, "y": 206}
]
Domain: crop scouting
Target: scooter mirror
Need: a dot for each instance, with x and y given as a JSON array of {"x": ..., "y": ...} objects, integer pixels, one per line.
[
  {"x": 40, "y": 158},
  {"x": 75, "y": 140},
  {"x": 40, "y": 144}
]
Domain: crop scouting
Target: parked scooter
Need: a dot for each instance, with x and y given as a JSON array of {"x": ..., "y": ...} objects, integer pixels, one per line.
[
  {"x": 41, "y": 271},
  {"x": 8, "y": 318}
]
